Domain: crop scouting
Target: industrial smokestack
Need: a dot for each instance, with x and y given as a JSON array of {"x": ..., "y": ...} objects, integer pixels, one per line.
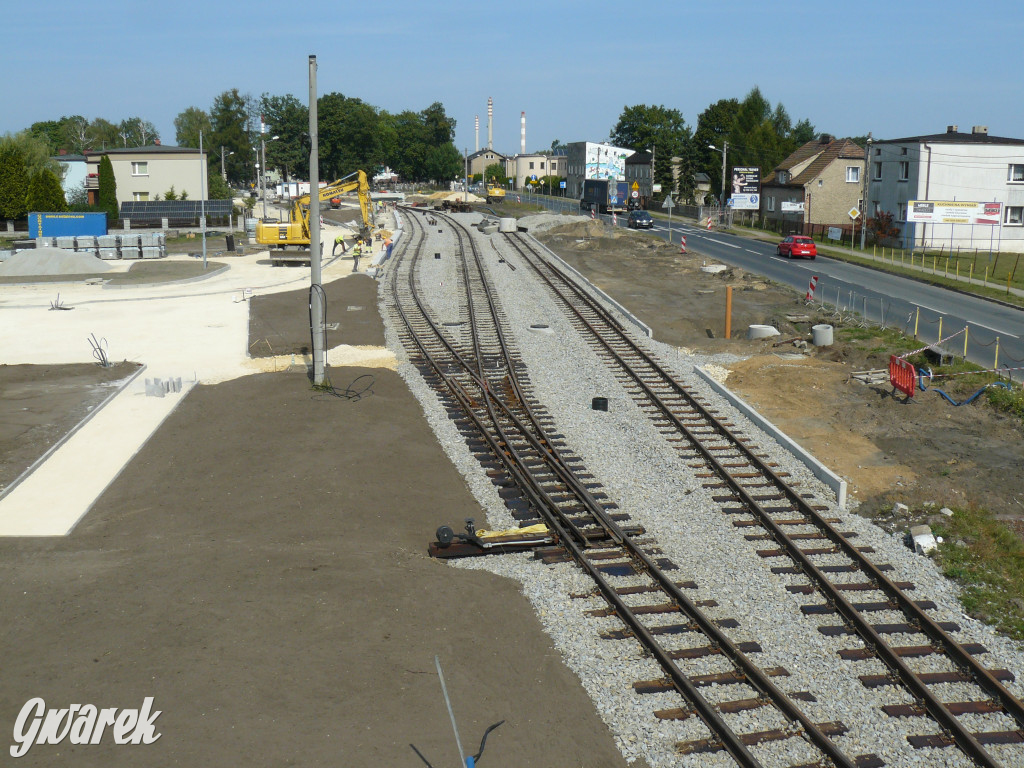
[
  {"x": 490, "y": 123},
  {"x": 477, "y": 120},
  {"x": 522, "y": 133}
]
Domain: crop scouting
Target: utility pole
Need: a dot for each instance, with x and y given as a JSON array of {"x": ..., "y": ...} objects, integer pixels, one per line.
[
  {"x": 316, "y": 308},
  {"x": 202, "y": 197},
  {"x": 725, "y": 154},
  {"x": 864, "y": 202}
]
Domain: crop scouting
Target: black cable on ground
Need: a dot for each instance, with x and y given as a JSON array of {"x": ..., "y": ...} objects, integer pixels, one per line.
[{"x": 353, "y": 391}]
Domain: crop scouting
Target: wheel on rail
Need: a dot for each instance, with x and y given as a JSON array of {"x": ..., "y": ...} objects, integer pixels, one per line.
[{"x": 445, "y": 536}]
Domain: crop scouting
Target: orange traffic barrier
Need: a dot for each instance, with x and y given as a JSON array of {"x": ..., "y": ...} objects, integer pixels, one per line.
[{"x": 902, "y": 375}]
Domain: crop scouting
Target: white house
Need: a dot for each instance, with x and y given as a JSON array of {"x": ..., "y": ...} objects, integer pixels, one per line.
[
  {"x": 524, "y": 167},
  {"x": 968, "y": 169},
  {"x": 588, "y": 160}
]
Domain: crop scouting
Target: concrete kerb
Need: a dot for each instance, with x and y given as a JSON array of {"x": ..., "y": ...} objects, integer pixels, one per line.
[
  {"x": 88, "y": 417},
  {"x": 183, "y": 281},
  {"x": 819, "y": 470},
  {"x": 593, "y": 288}
]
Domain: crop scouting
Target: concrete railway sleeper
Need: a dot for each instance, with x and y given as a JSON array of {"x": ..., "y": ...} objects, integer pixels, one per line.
[
  {"x": 723, "y": 451},
  {"x": 520, "y": 444}
]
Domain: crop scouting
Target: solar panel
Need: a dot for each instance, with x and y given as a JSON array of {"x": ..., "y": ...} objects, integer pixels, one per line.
[{"x": 173, "y": 209}]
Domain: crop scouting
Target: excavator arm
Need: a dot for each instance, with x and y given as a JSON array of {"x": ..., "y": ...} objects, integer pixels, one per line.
[{"x": 297, "y": 230}]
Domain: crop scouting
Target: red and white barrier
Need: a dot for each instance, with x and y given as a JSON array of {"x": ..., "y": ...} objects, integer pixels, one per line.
[
  {"x": 592, "y": 214},
  {"x": 810, "y": 288},
  {"x": 710, "y": 223},
  {"x": 682, "y": 244},
  {"x": 615, "y": 219}
]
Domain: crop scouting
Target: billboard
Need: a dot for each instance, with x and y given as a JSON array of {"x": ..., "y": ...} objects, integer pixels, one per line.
[
  {"x": 953, "y": 212},
  {"x": 66, "y": 224},
  {"x": 746, "y": 188},
  {"x": 603, "y": 161}
]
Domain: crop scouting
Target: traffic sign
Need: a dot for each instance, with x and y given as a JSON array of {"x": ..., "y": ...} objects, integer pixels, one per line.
[
  {"x": 853, "y": 213},
  {"x": 634, "y": 194},
  {"x": 561, "y": 184},
  {"x": 668, "y": 204},
  {"x": 533, "y": 177},
  {"x": 614, "y": 200},
  {"x": 635, "y": 187}
]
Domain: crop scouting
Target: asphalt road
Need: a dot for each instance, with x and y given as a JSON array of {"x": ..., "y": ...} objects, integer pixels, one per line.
[{"x": 879, "y": 296}]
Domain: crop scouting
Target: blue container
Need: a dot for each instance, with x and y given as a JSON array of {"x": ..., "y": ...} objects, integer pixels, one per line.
[{"x": 66, "y": 224}]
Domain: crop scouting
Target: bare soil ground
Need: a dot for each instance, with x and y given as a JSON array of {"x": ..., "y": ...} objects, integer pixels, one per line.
[
  {"x": 889, "y": 451},
  {"x": 260, "y": 569}
]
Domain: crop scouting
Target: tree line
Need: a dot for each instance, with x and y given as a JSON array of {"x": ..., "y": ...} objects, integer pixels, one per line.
[{"x": 757, "y": 133}]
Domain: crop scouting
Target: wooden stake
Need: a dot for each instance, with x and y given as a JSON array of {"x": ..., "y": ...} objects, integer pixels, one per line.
[{"x": 728, "y": 311}]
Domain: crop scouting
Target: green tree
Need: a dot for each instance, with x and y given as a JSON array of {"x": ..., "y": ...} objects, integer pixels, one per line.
[
  {"x": 104, "y": 134},
  {"x": 349, "y": 136},
  {"x": 713, "y": 126},
  {"x": 107, "y": 201},
  {"x": 230, "y": 121},
  {"x": 170, "y": 194},
  {"x": 440, "y": 129},
  {"x": 495, "y": 172},
  {"x": 14, "y": 179},
  {"x": 287, "y": 118},
  {"x": 644, "y": 127},
  {"x": 217, "y": 188},
  {"x": 45, "y": 193},
  {"x": 188, "y": 124},
  {"x": 443, "y": 164}
]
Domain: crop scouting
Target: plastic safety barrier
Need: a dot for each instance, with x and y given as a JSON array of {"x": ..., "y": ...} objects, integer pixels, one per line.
[{"x": 902, "y": 375}]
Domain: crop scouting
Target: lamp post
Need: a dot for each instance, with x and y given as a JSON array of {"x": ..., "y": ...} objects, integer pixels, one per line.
[
  {"x": 223, "y": 172},
  {"x": 864, "y": 195},
  {"x": 263, "y": 171},
  {"x": 725, "y": 154}
]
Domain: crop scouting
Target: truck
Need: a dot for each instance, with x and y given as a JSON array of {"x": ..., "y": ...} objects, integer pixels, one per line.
[{"x": 604, "y": 196}]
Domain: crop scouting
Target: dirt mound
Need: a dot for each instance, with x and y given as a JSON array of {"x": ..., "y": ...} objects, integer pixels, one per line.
[
  {"x": 52, "y": 261},
  {"x": 581, "y": 226}
]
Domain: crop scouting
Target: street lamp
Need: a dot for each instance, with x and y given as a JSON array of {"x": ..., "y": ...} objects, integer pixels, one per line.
[
  {"x": 223, "y": 173},
  {"x": 725, "y": 153},
  {"x": 263, "y": 171}
]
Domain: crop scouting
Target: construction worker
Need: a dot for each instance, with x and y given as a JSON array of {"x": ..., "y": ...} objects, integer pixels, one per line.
[
  {"x": 339, "y": 240},
  {"x": 357, "y": 251},
  {"x": 387, "y": 247}
]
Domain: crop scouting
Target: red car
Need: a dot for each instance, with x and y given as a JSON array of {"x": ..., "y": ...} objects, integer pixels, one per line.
[{"x": 797, "y": 245}]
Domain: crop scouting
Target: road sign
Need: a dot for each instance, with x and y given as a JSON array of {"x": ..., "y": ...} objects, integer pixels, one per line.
[
  {"x": 614, "y": 200},
  {"x": 668, "y": 204},
  {"x": 853, "y": 213},
  {"x": 635, "y": 187},
  {"x": 533, "y": 177},
  {"x": 561, "y": 184},
  {"x": 635, "y": 194}
]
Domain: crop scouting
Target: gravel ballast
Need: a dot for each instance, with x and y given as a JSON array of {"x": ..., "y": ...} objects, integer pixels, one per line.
[{"x": 650, "y": 480}]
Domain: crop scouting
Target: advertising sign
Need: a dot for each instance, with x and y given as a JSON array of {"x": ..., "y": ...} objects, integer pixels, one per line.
[
  {"x": 745, "y": 202},
  {"x": 746, "y": 180},
  {"x": 788, "y": 207},
  {"x": 954, "y": 212},
  {"x": 603, "y": 161}
]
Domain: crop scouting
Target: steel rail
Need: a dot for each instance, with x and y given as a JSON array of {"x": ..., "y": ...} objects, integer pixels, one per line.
[
  {"x": 751, "y": 672},
  {"x": 954, "y": 651}
]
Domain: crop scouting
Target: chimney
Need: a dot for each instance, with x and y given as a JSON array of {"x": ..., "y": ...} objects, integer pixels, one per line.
[
  {"x": 477, "y": 122},
  {"x": 490, "y": 123},
  {"x": 156, "y": 142},
  {"x": 980, "y": 130},
  {"x": 825, "y": 138},
  {"x": 952, "y": 128},
  {"x": 522, "y": 133}
]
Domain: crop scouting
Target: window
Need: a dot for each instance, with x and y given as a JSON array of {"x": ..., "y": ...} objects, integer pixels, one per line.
[
  {"x": 140, "y": 196},
  {"x": 782, "y": 177},
  {"x": 140, "y": 168},
  {"x": 769, "y": 203},
  {"x": 903, "y": 150},
  {"x": 542, "y": 165},
  {"x": 531, "y": 165},
  {"x": 1014, "y": 216},
  {"x": 878, "y": 172},
  {"x": 1015, "y": 173},
  {"x": 904, "y": 170},
  {"x": 821, "y": 182},
  {"x": 877, "y": 151},
  {"x": 852, "y": 174},
  {"x": 903, "y": 212}
]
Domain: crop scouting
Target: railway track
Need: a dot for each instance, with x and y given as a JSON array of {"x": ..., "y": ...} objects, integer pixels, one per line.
[{"x": 482, "y": 382}]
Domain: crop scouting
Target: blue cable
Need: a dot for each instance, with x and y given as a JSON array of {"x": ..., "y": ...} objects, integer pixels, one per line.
[{"x": 922, "y": 372}]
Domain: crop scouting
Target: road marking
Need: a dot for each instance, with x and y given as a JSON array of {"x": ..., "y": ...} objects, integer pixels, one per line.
[
  {"x": 758, "y": 253},
  {"x": 930, "y": 309},
  {"x": 778, "y": 258},
  {"x": 722, "y": 242},
  {"x": 994, "y": 330}
]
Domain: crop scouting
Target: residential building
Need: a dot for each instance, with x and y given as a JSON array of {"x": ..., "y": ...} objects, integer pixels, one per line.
[
  {"x": 639, "y": 180},
  {"x": 479, "y": 160},
  {"x": 588, "y": 160},
  {"x": 521, "y": 169},
  {"x": 143, "y": 173},
  {"x": 955, "y": 167},
  {"x": 73, "y": 173},
  {"x": 824, "y": 175}
]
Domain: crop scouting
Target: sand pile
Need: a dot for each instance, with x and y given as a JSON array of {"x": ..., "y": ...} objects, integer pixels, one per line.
[
  {"x": 542, "y": 222},
  {"x": 52, "y": 261}
]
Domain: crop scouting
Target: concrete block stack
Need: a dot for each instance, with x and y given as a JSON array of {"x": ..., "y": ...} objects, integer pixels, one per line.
[
  {"x": 108, "y": 247},
  {"x": 67, "y": 243},
  {"x": 130, "y": 247},
  {"x": 86, "y": 243},
  {"x": 154, "y": 245}
]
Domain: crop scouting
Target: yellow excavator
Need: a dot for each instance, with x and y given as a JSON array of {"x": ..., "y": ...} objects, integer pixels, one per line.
[
  {"x": 495, "y": 193},
  {"x": 295, "y": 231}
]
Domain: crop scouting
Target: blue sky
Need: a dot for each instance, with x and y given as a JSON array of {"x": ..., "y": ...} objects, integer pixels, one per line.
[{"x": 895, "y": 69}]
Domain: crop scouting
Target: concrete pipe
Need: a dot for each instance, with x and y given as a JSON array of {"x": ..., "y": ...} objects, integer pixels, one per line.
[
  {"x": 507, "y": 225},
  {"x": 821, "y": 335},
  {"x": 761, "y": 331}
]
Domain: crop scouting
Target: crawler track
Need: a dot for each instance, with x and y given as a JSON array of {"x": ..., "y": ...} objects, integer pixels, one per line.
[{"x": 477, "y": 373}]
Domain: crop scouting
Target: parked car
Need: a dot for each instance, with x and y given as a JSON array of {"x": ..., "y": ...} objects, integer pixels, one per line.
[
  {"x": 639, "y": 220},
  {"x": 797, "y": 245}
]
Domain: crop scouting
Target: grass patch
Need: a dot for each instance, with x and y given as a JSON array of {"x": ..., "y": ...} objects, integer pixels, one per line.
[{"x": 987, "y": 560}]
